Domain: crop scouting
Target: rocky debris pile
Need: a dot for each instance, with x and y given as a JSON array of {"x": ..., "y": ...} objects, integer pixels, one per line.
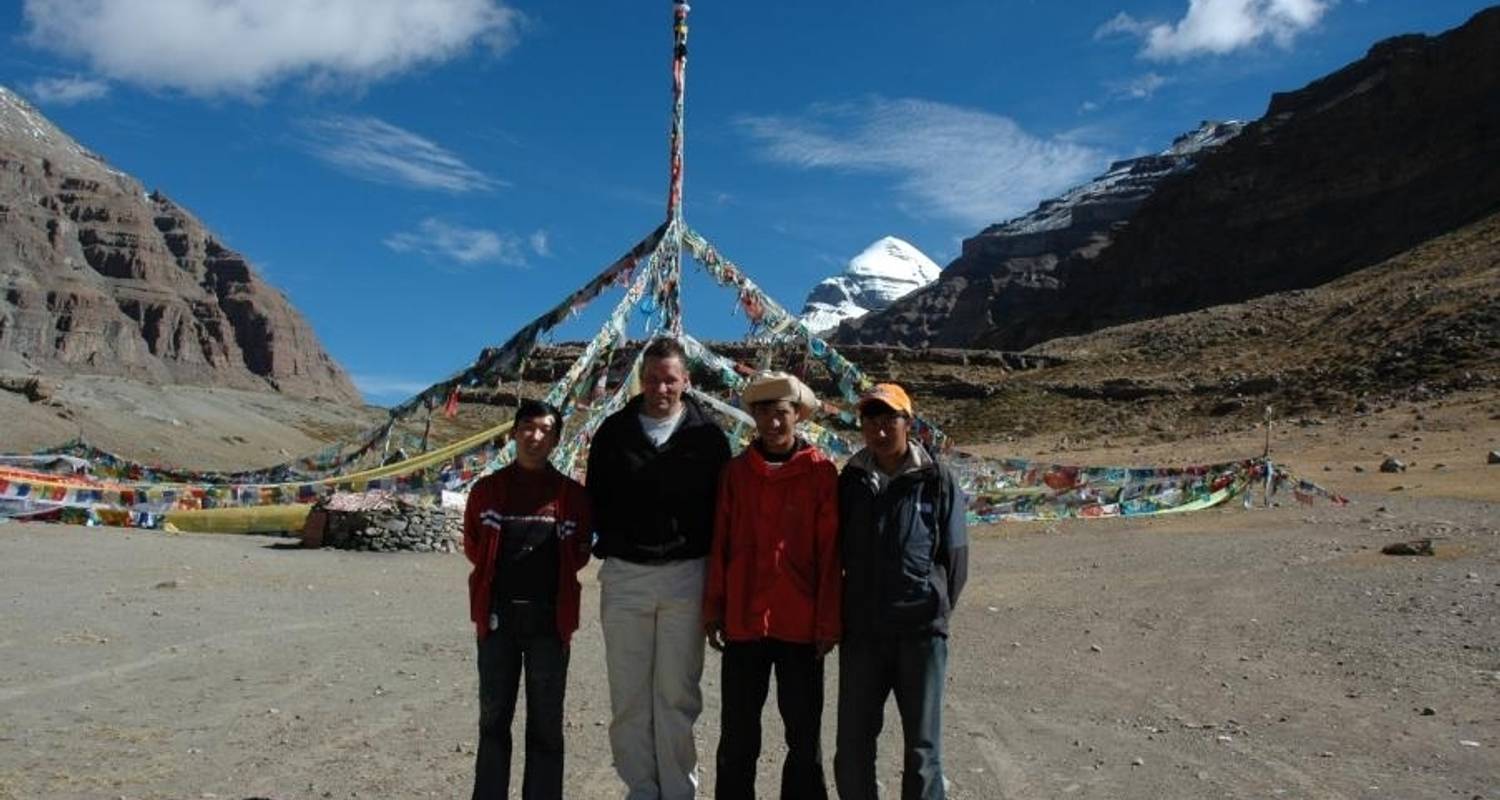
[{"x": 384, "y": 523}]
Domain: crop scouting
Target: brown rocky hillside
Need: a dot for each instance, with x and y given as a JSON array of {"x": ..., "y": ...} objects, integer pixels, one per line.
[
  {"x": 1418, "y": 327},
  {"x": 100, "y": 277}
]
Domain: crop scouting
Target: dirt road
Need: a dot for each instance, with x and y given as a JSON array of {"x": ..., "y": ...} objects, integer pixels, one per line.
[{"x": 1224, "y": 654}]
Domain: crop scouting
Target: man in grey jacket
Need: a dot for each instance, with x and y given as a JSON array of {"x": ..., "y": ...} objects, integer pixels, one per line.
[{"x": 904, "y": 542}]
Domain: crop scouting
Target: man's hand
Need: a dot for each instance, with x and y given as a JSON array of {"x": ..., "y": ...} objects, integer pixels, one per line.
[
  {"x": 714, "y": 630},
  {"x": 826, "y": 647}
]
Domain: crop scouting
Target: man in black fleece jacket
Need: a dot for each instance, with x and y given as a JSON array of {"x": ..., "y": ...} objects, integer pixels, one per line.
[{"x": 653, "y": 475}]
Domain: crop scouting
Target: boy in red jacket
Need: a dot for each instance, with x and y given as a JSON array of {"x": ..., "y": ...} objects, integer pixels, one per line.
[
  {"x": 772, "y": 598},
  {"x": 527, "y": 531}
]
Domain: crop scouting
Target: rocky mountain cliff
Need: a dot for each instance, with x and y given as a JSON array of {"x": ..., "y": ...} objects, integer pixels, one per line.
[
  {"x": 101, "y": 277},
  {"x": 1390, "y": 151},
  {"x": 882, "y": 273},
  {"x": 1027, "y": 249}
]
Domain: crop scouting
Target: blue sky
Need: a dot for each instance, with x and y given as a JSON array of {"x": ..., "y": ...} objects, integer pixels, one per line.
[{"x": 423, "y": 178}]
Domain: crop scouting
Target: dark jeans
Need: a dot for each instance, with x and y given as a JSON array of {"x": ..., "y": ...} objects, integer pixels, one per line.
[
  {"x": 746, "y": 679},
  {"x": 870, "y": 669},
  {"x": 502, "y": 659}
]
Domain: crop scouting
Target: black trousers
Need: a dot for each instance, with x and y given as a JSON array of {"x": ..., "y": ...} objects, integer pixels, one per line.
[
  {"x": 746, "y": 679},
  {"x": 870, "y": 669},
  {"x": 503, "y": 657}
]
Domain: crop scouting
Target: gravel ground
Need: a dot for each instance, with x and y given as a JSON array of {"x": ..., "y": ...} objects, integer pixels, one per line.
[{"x": 1269, "y": 652}]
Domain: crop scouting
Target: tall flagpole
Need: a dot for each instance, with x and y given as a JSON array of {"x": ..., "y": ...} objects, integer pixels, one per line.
[
  {"x": 670, "y": 288},
  {"x": 680, "y": 10}
]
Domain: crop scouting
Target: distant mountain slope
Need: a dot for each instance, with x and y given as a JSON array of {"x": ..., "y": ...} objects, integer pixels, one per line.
[
  {"x": 882, "y": 273},
  {"x": 97, "y": 276},
  {"x": 1027, "y": 249},
  {"x": 1421, "y": 323},
  {"x": 1394, "y": 149}
]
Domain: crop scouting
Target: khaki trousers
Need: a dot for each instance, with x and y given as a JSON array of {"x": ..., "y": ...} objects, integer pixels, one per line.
[{"x": 652, "y": 616}]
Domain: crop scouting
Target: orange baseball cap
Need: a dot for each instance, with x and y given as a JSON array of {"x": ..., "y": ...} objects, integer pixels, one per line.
[{"x": 888, "y": 394}]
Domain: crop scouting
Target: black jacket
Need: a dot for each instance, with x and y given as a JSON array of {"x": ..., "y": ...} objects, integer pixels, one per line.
[
  {"x": 653, "y": 504},
  {"x": 905, "y": 549}
]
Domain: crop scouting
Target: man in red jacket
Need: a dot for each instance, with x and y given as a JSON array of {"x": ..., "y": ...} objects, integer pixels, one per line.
[
  {"x": 772, "y": 598},
  {"x": 527, "y": 531}
]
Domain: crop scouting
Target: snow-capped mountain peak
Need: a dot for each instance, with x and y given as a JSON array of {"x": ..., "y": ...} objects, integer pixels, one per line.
[{"x": 888, "y": 269}]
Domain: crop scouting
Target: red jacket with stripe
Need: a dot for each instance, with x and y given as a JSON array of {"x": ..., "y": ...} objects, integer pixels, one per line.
[
  {"x": 483, "y": 534},
  {"x": 773, "y": 569}
]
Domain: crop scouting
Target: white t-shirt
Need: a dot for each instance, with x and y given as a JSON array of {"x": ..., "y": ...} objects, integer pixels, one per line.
[{"x": 660, "y": 430}]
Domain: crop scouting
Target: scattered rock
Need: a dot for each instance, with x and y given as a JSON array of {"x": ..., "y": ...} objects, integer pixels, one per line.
[
  {"x": 28, "y": 387},
  {"x": 1416, "y": 547},
  {"x": 1392, "y": 464},
  {"x": 393, "y": 524},
  {"x": 1429, "y": 711},
  {"x": 1358, "y": 468},
  {"x": 1226, "y": 407},
  {"x": 172, "y": 584},
  {"x": 1494, "y": 457}
]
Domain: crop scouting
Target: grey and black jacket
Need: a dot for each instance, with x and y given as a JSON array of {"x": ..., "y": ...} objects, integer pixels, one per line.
[
  {"x": 905, "y": 547},
  {"x": 655, "y": 504}
]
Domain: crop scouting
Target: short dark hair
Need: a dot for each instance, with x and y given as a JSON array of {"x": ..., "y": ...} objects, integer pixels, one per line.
[
  {"x": 531, "y": 409},
  {"x": 665, "y": 347}
]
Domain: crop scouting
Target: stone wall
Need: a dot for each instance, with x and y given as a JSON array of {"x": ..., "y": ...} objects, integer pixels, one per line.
[{"x": 401, "y": 526}]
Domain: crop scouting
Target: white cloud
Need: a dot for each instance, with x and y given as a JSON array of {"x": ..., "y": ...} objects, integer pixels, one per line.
[
  {"x": 540, "y": 243},
  {"x": 387, "y": 387},
  {"x": 375, "y": 150},
  {"x": 239, "y": 47},
  {"x": 1219, "y": 26},
  {"x": 68, "y": 91},
  {"x": 1141, "y": 87},
  {"x": 1122, "y": 23},
  {"x": 440, "y": 240},
  {"x": 967, "y": 165}
]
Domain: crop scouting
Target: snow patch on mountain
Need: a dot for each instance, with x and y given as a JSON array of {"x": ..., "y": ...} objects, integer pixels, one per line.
[
  {"x": 1123, "y": 186},
  {"x": 884, "y": 272},
  {"x": 20, "y": 120}
]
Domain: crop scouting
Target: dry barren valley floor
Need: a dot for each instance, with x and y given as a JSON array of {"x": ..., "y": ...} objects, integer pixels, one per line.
[{"x": 1235, "y": 653}]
